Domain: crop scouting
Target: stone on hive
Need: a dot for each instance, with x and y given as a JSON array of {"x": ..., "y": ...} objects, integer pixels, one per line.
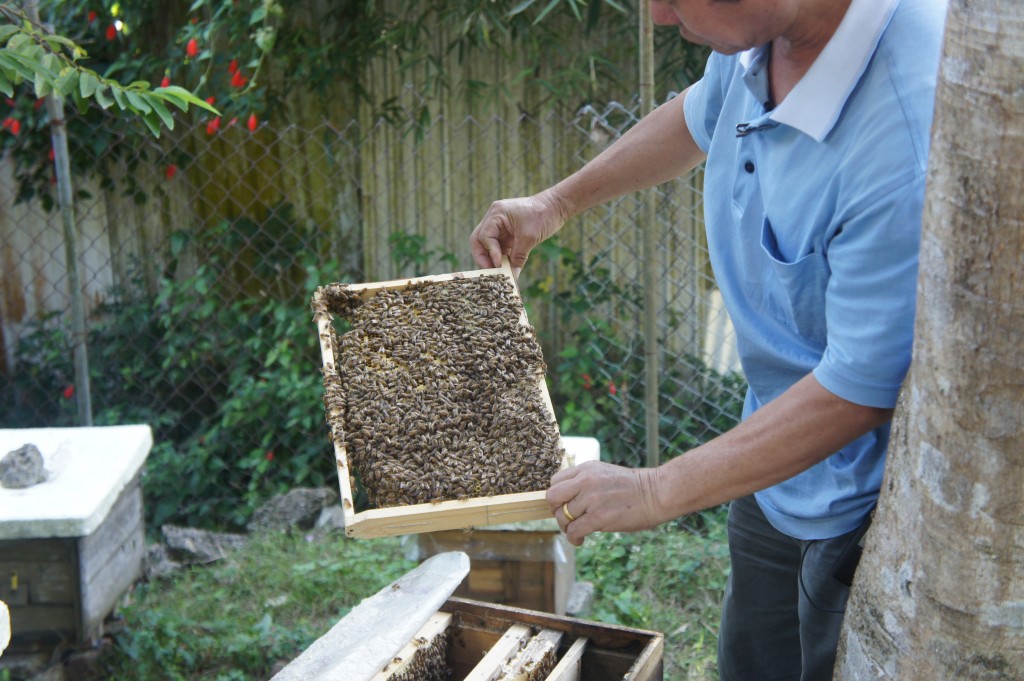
[{"x": 22, "y": 468}]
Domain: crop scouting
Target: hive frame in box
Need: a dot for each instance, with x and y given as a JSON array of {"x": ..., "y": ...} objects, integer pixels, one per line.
[
  {"x": 589, "y": 651},
  {"x": 407, "y": 626},
  {"x": 436, "y": 516}
]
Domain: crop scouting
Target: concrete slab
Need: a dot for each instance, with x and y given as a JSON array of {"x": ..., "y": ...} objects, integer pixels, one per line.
[{"x": 87, "y": 468}]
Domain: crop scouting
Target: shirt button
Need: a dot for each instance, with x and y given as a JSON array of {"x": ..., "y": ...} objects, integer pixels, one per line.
[{"x": 749, "y": 166}]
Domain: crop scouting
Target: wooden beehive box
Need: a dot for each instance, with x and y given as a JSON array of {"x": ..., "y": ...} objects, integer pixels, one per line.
[
  {"x": 71, "y": 546},
  {"x": 522, "y": 565},
  {"x": 415, "y": 518},
  {"x": 412, "y": 630},
  {"x": 486, "y": 640}
]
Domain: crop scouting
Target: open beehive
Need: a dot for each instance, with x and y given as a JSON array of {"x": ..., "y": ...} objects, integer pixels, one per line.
[
  {"x": 413, "y": 630},
  {"x": 436, "y": 403},
  {"x": 489, "y": 642}
]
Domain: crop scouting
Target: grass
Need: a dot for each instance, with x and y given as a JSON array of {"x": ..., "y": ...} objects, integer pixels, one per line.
[
  {"x": 669, "y": 579},
  {"x": 267, "y": 602}
]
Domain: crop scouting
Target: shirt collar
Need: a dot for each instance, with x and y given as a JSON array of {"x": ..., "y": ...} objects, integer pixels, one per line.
[{"x": 814, "y": 104}]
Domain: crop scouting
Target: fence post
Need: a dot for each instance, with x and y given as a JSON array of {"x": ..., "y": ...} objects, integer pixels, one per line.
[
  {"x": 650, "y": 248},
  {"x": 65, "y": 201}
]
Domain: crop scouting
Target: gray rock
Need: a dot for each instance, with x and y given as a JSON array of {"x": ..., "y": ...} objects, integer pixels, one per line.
[
  {"x": 190, "y": 545},
  {"x": 300, "y": 508},
  {"x": 332, "y": 518},
  {"x": 581, "y": 598},
  {"x": 22, "y": 468},
  {"x": 158, "y": 562}
]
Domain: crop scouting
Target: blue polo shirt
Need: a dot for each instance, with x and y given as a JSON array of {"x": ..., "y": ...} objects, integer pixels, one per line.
[{"x": 813, "y": 213}]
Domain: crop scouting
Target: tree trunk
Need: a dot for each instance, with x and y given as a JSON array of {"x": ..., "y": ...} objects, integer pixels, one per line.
[{"x": 940, "y": 591}]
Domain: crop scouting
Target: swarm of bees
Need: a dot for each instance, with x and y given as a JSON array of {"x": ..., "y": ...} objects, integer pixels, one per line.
[
  {"x": 428, "y": 663},
  {"x": 435, "y": 392}
]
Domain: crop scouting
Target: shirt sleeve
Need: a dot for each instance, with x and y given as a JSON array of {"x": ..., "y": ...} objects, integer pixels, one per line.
[
  {"x": 703, "y": 103},
  {"x": 871, "y": 296}
]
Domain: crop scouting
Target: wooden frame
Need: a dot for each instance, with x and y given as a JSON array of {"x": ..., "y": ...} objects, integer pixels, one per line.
[
  {"x": 587, "y": 650},
  {"x": 429, "y": 517},
  {"x": 496, "y": 643}
]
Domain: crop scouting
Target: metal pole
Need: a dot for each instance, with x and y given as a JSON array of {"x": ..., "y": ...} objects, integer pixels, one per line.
[
  {"x": 65, "y": 201},
  {"x": 650, "y": 249}
]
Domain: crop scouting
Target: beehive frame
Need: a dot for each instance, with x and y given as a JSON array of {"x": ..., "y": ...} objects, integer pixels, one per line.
[
  {"x": 436, "y": 516},
  {"x": 585, "y": 650},
  {"x": 485, "y": 642}
]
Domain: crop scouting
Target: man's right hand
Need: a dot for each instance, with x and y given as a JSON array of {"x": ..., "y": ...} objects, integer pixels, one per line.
[{"x": 513, "y": 227}]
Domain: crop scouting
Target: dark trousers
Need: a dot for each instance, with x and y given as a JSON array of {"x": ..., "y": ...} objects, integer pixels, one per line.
[{"x": 783, "y": 608}]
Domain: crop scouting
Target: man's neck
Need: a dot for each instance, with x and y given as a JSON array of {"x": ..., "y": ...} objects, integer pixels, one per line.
[{"x": 793, "y": 52}]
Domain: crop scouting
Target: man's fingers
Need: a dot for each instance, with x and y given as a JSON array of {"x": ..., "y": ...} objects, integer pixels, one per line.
[
  {"x": 560, "y": 492},
  {"x": 567, "y": 473}
]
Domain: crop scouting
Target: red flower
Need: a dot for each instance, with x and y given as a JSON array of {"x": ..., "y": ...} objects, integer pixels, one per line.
[
  {"x": 238, "y": 80},
  {"x": 586, "y": 381},
  {"x": 232, "y": 121},
  {"x": 213, "y": 126},
  {"x": 166, "y": 82},
  {"x": 111, "y": 32},
  {"x": 253, "y": 123},
  {"x": 611, "y": 388},
  {"x": 192, "y": 48},
  {"x": 51, "y": 155},
  {"x": 92, "y": 15},
  {"x": 39, "y": 103},
  {"x": 211, "y": 100},
  {"x": 9, "y": 102},
  {"x": 13, "y": 125},
  {"x": 171, "y": 170},
  {"x": 233, "y": 67},
  {"x": 269, "y": 456},
  {"x": 69, "y": 391}
]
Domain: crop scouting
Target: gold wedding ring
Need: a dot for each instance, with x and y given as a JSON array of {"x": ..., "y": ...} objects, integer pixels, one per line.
[{"x": 565, "y": 512}]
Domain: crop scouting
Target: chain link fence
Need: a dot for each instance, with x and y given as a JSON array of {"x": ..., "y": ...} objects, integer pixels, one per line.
[{"x": 199, "y": 252}]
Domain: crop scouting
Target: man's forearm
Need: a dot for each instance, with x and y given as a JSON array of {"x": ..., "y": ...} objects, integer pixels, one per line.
[
  {"x": 802, "y": 427},
  {"x": 657, "y": 149}
]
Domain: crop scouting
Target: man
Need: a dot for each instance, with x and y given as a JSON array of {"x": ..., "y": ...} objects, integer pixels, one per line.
[{"x": 813, "y": 117}]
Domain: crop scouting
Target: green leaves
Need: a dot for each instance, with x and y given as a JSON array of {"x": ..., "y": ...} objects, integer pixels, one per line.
[{"x": 51, "y": 64}]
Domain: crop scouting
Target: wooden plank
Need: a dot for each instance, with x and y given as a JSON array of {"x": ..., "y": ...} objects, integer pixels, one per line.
[
  {"x": 648, "y": 666},
  {"x": 49, "y": 550},
  {"x": 569, "y": 667},
  {"x": 42, "y": 583},
  {"x": 500, "y": 654},
  {"x": 101, "y": 593},
  {"x": 448, "y": 515},
  {"x": 436, "y": 626},
  {"x": 547, "y": 565},
  {"x": 95, "y": 550},
  {"x": 56, "y": 621},
  {"x": 539, "y": 654},
  {"x": 429, "y": 517},
  {"x": 485, "y": 581},
  {"x": 468, "y": 647},
  {"x": 362, "y": 643},
  {"x": 520, "y": 545}
]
